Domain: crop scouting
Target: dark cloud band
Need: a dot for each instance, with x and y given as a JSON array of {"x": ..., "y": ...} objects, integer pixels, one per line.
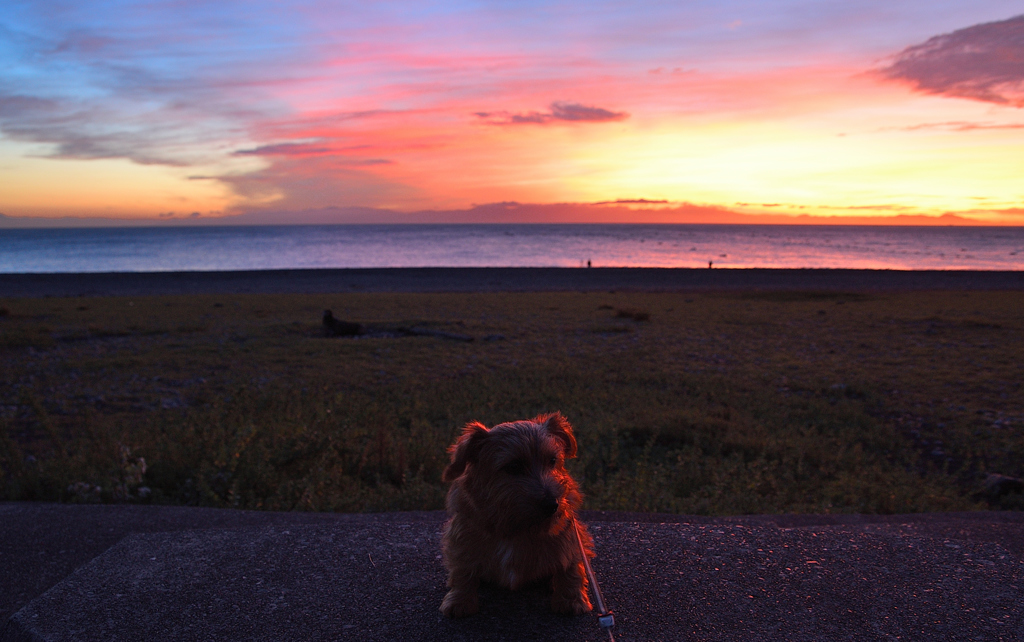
[{"x": 559, "y": 111}]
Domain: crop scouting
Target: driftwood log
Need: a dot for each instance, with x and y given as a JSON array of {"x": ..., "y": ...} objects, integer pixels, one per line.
[
  {"x": 338, "y": 328},
  {"x": 426, "y": 332},
  {"x": 997, "y": 485}
]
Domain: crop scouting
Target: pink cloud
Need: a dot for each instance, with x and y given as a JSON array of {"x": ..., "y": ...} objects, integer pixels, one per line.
[{"x": 984, "y": 62}]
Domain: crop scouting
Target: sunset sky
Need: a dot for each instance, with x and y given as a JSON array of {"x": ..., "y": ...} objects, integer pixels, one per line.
[{"x": 683, "y": 111}]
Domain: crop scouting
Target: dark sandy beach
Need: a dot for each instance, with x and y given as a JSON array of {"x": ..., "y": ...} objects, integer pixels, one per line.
[{"x": 499, "y": 280}]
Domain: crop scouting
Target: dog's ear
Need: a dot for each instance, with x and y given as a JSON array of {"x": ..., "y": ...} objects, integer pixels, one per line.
[
  {"x": 559, "y": 428},
  {"x": 465, "y": 450}
]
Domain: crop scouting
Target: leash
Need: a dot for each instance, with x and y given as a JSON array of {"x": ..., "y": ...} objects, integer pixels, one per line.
[{"x": 605, "y": 617}]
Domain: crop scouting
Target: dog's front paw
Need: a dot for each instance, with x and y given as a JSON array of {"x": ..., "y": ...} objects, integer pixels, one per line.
[
  {"x": 460, "y": 603},
  {"x": 576, "y": 604}
]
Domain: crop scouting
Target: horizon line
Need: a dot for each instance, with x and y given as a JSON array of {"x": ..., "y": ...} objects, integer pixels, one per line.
[{"x": 512, "y": 213}]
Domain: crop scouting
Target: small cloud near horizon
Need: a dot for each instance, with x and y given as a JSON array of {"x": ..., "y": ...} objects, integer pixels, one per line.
[
  {"x": 956, "y": 126},
  {"x": 632, "y": 201},
  {"x": 984, "y": 62},
  {"x": 560, "y": 111}
]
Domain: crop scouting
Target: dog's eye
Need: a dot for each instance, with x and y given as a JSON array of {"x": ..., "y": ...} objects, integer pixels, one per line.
[
  {"x": 515, "y": 467},
  {"x": 553, "y": 462}
]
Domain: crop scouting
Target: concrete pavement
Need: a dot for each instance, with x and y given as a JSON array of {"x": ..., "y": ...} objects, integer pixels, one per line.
[{"x": 137, "y": 572}]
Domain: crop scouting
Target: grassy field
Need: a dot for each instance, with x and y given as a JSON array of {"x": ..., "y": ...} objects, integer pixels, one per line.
[{"x": 706, "y": 403}]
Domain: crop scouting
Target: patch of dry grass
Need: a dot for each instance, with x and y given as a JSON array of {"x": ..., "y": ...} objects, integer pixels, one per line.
[{"x": 691, "y": 402}]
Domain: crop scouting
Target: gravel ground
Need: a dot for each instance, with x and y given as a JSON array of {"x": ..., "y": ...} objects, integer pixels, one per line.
[{"x": 497, "y": 280}]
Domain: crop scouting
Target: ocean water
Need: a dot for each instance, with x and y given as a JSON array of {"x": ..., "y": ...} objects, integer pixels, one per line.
[{"x": 361, "y": 246}]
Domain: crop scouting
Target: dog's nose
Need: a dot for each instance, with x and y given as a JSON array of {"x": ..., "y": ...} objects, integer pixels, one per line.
[{"x": 549, "y": 505}]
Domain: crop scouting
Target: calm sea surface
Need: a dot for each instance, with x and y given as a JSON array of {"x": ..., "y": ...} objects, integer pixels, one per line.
[{"x": 357, "y": 246}]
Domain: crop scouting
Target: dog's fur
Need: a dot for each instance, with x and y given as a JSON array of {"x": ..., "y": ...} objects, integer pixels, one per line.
[{"x": 511, "y": 510}]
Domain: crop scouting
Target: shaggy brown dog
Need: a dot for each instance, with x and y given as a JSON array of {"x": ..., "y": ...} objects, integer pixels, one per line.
[{"x": 511, "y": 511}]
